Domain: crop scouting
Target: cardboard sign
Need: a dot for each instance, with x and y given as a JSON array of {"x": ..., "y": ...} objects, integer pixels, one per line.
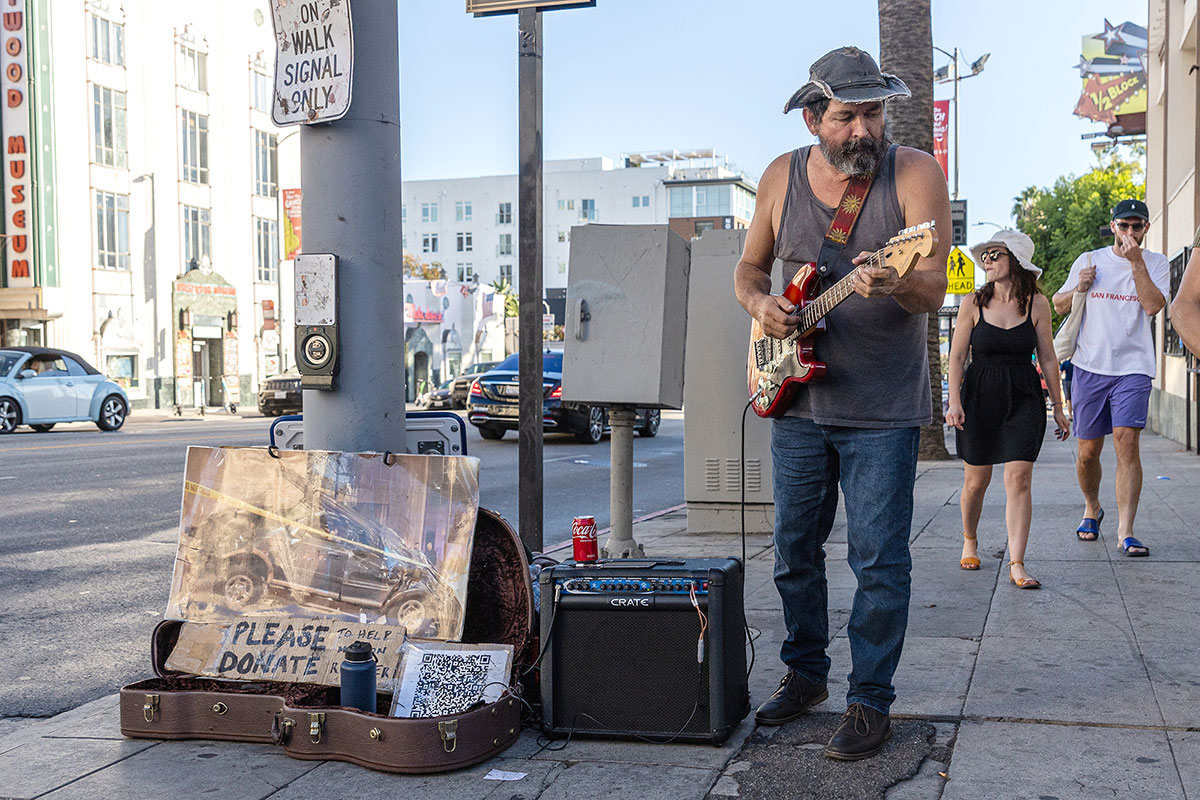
[{"x": 285, "y": 649}]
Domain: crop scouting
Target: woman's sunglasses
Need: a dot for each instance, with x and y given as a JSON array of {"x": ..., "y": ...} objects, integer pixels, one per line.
[
  {"x": 1131, "y": 226},
  {"x": 991, "y": 255}
]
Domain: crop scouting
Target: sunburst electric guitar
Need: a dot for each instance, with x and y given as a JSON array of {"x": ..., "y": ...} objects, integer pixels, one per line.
[{"x": 777, "y": 367}]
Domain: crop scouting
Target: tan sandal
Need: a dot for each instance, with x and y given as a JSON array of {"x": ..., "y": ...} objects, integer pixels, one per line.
[
  {"x": 970, "y": 563},
  {"x": 1022, "y": 583}
]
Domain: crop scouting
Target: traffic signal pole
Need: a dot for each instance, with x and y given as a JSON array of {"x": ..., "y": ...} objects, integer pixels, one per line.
[{"x": 350, "y": 173}]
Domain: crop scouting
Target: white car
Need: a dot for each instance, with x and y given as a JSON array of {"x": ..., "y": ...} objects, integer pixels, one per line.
[{"x": 41, "y": 387}]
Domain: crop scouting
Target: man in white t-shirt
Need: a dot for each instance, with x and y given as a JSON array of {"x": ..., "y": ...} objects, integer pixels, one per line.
[{"x": 1115, "y": 363}]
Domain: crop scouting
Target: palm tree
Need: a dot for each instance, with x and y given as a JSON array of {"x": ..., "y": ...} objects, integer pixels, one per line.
[{"x": 906, "y": 50}]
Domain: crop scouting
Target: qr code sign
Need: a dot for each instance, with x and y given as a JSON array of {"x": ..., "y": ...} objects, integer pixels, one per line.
[{"x": 450, "y": 683}]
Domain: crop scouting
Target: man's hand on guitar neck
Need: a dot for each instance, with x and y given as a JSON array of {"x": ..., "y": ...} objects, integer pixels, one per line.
[
  {"x": 874, "y": 281},
  {"x": 776, "y": 314}
]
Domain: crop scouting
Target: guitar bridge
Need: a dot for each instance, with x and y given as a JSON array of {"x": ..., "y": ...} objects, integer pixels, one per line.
[{"x": 760, "y": 353}]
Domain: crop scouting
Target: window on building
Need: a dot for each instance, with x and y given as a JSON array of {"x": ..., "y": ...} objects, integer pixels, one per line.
[
  {"x": 429, "y": 212},
  {"x": 1172, "y": 344},
  {"x": 403, "y": 243},
  {"x": 194, "y": 151},
  {"x": 587, "y": 209},
  {"x": 462, "y": 211},
  {"x": 566, "y": 205},
  {"x": 505, "y": 248},
  {"x": 266, "y": 251},
  {"x": 403, "y": 214},
  {"x": 645, "y": 201},
  {"x": 197, "y": 235},
  {"x": 562, "y": 267},
  {"x": 108, "y": 127},
  {"x": 260, "y": 91},
  {"x": 191, "y": 68},
  {"x": 122, "y": 369},
  {"x": 429, "y": 243},
  {"x": 504, "y": 215},
  {"x": 465, "y": 242},
  {"x": 704, "y": 225},
  {"x": 562, "y": 236},
  {"x": 108, "y": 41},
  {"x": 112, "y": 231},
  {"x": 264, "y": 163},
  {"x": 637, "y": 201},
  {"x": 466, "y": 272},
  {"x": 506, "y": 272}
]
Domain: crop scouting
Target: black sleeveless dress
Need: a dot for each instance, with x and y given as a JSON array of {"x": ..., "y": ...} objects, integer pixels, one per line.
[{"x": 1002, "y": 396}]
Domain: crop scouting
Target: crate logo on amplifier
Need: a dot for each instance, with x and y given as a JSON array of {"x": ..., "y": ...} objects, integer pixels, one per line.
[{"x": 631, "y": 602}]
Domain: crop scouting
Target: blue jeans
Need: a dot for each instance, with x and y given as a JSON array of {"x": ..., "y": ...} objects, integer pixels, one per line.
[{"x": 877, "y": 470}]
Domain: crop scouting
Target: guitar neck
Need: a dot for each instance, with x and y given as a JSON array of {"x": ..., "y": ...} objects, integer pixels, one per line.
[{"x": 815, "y": 311}]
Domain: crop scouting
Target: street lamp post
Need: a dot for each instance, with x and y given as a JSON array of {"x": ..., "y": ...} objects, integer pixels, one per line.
[
  {"x": 150, "y": 263},
  {"x": 943, "y": 75}
]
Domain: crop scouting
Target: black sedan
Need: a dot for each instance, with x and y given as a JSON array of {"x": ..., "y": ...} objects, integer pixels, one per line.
[
  {"x": 280, "y": 394},
  {"x": 492, "y": 405}
]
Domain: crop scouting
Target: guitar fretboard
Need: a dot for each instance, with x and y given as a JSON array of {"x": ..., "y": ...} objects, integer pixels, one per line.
[{"x": 815, "y": 311}]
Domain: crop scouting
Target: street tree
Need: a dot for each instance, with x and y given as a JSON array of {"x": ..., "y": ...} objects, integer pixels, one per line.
[
  {"x": 1072, "y": 216},
  {"x": 906, "y": 50},
  {"x": 415, "y": 268}
]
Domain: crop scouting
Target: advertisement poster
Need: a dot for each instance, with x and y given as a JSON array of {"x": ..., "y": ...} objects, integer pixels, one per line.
[{"x": 941, "y": 139}]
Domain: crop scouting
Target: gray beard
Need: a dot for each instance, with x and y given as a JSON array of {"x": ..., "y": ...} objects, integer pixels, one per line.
[{"x": 858, "y": 157}]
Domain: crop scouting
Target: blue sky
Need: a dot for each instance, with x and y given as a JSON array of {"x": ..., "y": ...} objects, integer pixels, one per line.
[{"x": 645, "y": 75}]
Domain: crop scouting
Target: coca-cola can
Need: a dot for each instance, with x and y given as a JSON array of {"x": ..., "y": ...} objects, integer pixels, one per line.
[{"x": 583, "y": 535}]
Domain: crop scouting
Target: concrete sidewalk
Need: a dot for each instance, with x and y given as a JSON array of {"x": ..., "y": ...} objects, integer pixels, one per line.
[{"x": 1087, "y": 688}]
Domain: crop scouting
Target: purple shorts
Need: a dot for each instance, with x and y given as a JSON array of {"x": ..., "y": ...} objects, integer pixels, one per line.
[{"x": 1100, "y": 402}]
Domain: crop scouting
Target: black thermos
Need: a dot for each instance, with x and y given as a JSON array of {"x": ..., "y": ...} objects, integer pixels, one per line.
[{"x": 358, "y": 677}]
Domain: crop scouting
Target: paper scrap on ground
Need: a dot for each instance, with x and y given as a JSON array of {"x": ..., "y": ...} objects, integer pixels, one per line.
[
  {"x": 501, "y": 775},
  {"x": 289, "y": 649},
  {"x": 439, "y": 678}
]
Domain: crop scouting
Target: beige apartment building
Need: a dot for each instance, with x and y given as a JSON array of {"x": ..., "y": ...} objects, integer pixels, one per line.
[{"x": 1173, "y": 195}]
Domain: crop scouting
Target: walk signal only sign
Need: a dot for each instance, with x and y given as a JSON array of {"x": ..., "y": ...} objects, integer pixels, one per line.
[{"x": 960, "y": 271}]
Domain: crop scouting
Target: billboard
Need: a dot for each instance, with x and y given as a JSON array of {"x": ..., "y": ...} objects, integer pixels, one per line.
[{"x": 1112, "y": 65}]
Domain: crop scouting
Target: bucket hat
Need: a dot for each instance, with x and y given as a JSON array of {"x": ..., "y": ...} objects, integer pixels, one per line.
[
  {"x": 848, "y": 75},
  {"x": 1017, "y": 243}
]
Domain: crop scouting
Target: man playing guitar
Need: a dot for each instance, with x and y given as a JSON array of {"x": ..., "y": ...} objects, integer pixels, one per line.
[{"x": 859, "y": 425}]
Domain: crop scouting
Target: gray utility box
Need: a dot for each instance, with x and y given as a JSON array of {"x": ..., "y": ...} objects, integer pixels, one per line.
[
  {"x": 716, "y": 395},
  {"x": 626, "y": 316}
]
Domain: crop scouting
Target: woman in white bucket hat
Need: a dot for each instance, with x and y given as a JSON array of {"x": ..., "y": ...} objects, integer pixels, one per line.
[{"x": 997, "y": 406}]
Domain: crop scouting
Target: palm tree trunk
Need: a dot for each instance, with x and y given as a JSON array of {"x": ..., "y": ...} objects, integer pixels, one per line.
[{"x": 906, "y": 50}]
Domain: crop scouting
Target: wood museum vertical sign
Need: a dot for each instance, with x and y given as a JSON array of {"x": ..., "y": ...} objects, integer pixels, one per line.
[{"x": 14, "y": 121}]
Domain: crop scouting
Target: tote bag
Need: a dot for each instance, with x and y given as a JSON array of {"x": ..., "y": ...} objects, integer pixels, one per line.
[{"x": 1068, "y": 332}]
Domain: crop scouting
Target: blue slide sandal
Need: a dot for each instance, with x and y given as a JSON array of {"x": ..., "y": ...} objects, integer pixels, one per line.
[{"x": 1089, "y": 529}]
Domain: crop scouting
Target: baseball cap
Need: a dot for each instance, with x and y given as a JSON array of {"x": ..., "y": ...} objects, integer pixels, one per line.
[{"x": 1131, "y": 208}]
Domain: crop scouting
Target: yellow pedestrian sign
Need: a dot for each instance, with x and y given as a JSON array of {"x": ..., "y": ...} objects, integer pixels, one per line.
[{"x": 960, "y": 271}]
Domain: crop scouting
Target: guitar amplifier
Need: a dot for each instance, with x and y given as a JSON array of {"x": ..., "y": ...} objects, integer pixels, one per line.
[{"x": 648, "y": 649}]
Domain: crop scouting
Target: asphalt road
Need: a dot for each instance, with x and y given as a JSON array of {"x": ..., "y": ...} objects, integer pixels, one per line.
[{"x": 88, "y": 535}]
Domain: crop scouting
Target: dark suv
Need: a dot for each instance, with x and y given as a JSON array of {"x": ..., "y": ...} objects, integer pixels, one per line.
[
  {"x": 462, "y": 384},
  {"x": 337, "y": 561},
  {"x": 492, "y": 405},
  {"x": 281, "y": 394}
]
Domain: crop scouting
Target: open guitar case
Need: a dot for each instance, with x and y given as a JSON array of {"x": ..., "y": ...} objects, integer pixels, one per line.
[{"x": 306, "y": 720}]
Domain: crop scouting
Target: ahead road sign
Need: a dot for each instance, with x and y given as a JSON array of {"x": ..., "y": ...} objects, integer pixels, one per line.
[{"x": 960, "y": 271}]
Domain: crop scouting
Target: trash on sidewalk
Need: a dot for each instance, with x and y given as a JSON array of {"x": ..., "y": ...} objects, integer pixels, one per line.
[{"x": 501, "y": 775}]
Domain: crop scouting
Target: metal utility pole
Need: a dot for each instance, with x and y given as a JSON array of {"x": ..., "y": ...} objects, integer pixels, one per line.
[
  {"x": 529, "y": 209},
  {"x": 350, "y": 176},
  {"x": 953, "y": 73},
  {"x": 620, "y": 542}
]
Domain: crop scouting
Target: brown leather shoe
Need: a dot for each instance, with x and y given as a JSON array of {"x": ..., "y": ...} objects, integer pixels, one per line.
[
  {"x": 794, "y": 696},
  {"x": 863, "y": 733}
]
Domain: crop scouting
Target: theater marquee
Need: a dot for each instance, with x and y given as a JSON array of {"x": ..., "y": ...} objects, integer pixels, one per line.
[{"x": 18, "y": 165}]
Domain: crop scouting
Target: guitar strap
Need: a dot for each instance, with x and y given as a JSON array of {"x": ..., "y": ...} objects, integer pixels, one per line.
[{"x": 850, "y": 206}]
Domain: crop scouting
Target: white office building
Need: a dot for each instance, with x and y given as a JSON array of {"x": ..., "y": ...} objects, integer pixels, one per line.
[{"x": 152, "y": 180}]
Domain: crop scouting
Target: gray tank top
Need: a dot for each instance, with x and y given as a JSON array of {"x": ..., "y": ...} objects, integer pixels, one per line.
[{"x": 878, "y": 364}]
